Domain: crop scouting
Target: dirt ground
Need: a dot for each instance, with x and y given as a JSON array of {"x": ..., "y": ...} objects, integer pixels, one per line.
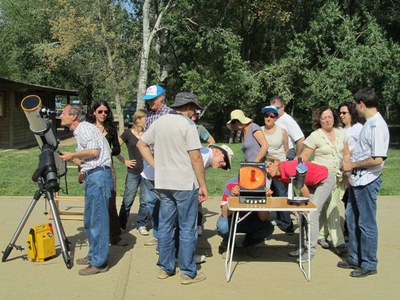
[{"x": 133, "y": 270}]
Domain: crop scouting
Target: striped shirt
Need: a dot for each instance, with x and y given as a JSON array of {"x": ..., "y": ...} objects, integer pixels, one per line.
[
  {"x": 89, "y": 137},
  {"x": 154, "y": 115}
]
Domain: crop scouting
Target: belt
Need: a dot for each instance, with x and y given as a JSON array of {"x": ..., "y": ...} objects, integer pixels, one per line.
[{"x": 87, "y": 173}]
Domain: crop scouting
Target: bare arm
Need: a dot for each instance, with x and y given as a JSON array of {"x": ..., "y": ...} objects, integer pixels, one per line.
[
  {"x": 305, "y": 192},
  {"x": 262, "y": 141},
  {"x": 299, "y": 146},
  {"x": 198, "y": 167},
  {"x": 210, "y": 140},
  {"x": 77, "y": 156},
  {"x": 146, "y": 152},
  {"x": 346, "y": 152},
  {"x": 370, "y": 162},
  {"x": 285, "y": 141},
  {"x": 306, "y": 153}
]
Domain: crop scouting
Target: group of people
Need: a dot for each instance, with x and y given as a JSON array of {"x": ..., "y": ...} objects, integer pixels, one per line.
[
  {"x": 347, "y": 159},
  {"x": 170, "y": 177},
  {"x": 167, "y": 163}
]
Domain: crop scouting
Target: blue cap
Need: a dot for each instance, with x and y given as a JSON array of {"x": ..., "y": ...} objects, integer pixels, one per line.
[
  {"x": 270, "y": 109},
  {"x": 152, "y": 92}
]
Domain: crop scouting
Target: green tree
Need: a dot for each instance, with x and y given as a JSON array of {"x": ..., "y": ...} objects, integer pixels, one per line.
[
  {"x": 332, "y": 59},
  {"x": 90, "y": 47},
  {"x": 23, "y": 27}
]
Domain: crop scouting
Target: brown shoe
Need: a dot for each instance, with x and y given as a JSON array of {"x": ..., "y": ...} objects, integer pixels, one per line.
[
  {"x": 162, "y": 274},
  {"x": 90, "y": 270},
  {"x": 83, "y": 261},
  {"x": 185, "y": 279}
]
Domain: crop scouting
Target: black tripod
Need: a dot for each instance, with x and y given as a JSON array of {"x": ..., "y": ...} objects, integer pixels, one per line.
[{"x": 46, "y": 177}]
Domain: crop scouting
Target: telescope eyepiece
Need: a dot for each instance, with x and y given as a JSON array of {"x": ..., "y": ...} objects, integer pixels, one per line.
[{"x": 47, "y": 112}]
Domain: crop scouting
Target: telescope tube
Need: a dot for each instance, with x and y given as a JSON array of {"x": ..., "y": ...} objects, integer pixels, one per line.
[{"x": 41, "y": 127}]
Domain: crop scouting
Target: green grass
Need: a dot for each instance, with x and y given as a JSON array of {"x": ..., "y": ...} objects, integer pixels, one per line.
[{"x": 17, "y": 167}]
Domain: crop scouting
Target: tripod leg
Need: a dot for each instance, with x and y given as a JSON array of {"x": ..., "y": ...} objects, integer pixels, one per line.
[
  {"x": 64, "y": 243},
  {"x": 21, "y": 225}
]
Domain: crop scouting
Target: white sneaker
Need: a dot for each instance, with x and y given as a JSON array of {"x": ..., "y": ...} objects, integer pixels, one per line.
[
  {"x": 199, "y": 259},
  {"x": 199, "y": 231},
  {"x": 143, "y": 231}
]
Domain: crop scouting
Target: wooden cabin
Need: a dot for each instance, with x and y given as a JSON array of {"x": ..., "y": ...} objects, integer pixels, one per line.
[{"x": 15, "y": 132}]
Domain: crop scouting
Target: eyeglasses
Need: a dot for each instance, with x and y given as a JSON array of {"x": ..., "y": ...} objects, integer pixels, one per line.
[
  {"x": 102, "y": 111},
  {"x": 272, "y": 116},
  {"x": 343, "y": 113}
]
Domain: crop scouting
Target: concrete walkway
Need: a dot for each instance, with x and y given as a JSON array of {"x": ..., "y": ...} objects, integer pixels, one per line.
[{"x": 133, "y": 271}]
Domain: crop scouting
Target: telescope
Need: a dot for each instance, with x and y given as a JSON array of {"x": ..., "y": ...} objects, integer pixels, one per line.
[
  {"x": 40, "y": 124},
  {"x": 50, "y": 168}
]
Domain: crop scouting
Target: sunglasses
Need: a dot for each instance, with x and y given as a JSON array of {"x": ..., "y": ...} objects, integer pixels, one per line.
[
  {"x": 343, "y": 113},
  {"x": 233, "y": 122},
  {"x": 272, "y": 116},
  {"x": 102, "y": 111}
]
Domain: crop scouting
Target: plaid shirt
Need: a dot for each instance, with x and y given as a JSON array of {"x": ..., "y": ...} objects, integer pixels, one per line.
[{"x": 154, "y": 115}]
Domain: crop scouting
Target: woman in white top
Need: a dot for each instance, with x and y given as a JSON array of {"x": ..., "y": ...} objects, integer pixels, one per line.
[
  {"x": 277, "y": 138},
  {"x": 278, "y": 146},
  {"x": 352, "y": 128},
  {"x": 351, "y": 123},
  {"x": 328, "y": 142}
]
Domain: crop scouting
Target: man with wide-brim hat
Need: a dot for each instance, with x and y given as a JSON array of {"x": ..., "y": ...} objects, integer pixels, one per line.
[
  {"x": 180, "y": 182},
  {"x": 185, "y": 98}
]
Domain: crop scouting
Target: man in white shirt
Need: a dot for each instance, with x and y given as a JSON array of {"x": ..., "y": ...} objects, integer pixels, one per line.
[
  {"x": 293, "y": 129},
  {"x": 365, "y": 182}
]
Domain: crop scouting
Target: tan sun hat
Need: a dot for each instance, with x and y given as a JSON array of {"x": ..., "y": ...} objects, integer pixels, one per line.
[{"x": 238, "y": 114}]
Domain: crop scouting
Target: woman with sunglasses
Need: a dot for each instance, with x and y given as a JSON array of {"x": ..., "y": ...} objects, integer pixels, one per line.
[
  {"x": 351, "y": 122},
  {"x": 352, "y": 128},
  {"x": 277, "y": 137},
  {"x": 278, "y": 146},
  {"x": 254, "y": 144},
  {"x": 100, "y": 114},
  {"x": 329, "y": 145}
]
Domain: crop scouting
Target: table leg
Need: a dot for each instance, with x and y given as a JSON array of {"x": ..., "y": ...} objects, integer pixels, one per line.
[
  {"x": 308, "y": 245},
  {"x": 231, "y": 246}
]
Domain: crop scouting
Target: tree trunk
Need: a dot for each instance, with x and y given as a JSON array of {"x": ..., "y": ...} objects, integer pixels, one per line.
[
  {"x": 144, "y": 57},
  {"x": 111, "y": 66}
]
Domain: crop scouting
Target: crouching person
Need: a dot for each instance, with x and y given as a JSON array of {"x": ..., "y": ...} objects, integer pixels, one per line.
[{"x": 256, "y": 226}]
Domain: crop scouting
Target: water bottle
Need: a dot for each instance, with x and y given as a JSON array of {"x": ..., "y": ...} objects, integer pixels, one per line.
[{"x": 301, "y": 171}]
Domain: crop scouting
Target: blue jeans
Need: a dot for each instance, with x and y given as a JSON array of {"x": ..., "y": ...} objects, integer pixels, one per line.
[
  {"x": 152, "y": 199},
  {"x": 256, "y": 230},
  {"x": 181, "y": 207},
  {"x": 132, "y": 183},
  {"x": 361, "y": 224},
  {"x": 98, "y": 188},
  {"x": 283, "y": 219}
]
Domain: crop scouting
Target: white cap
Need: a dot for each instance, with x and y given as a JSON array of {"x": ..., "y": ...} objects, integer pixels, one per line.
[{"x": 228, "y": 154}]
